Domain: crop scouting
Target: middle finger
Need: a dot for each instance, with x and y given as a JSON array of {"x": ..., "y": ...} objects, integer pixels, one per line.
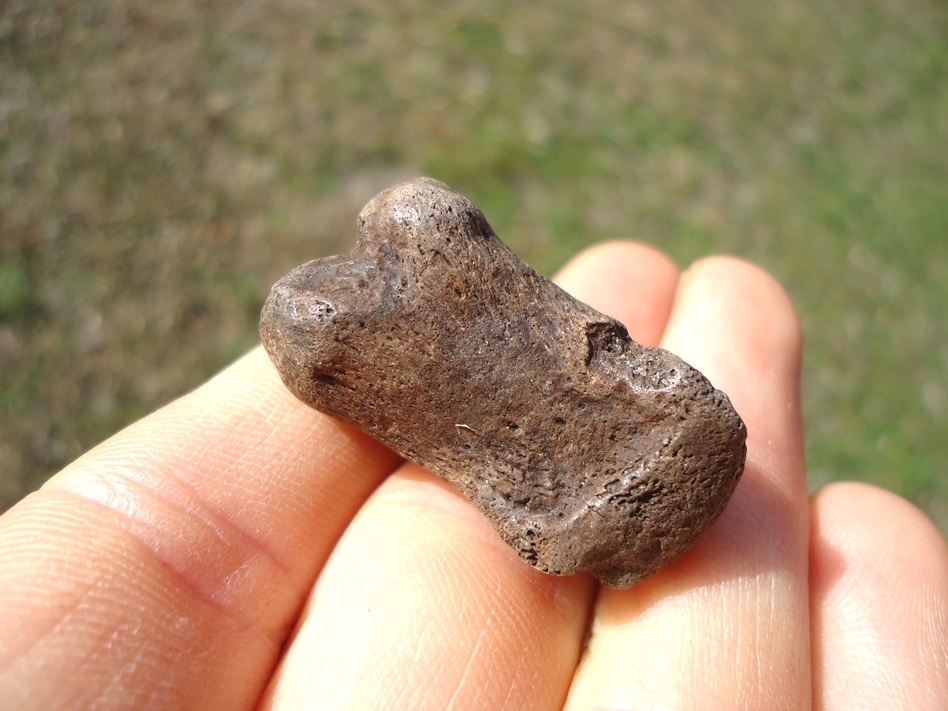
[{"x": 726, "y": 625}]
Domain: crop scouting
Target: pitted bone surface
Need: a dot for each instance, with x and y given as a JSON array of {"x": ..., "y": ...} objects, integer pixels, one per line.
[{"x": 585, "y": 450}]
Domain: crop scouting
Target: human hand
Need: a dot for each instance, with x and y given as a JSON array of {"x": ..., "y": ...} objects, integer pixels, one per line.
[{"x": 237, "y": 549}]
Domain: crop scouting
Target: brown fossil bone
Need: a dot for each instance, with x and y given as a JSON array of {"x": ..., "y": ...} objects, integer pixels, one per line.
[{"x": 586, "y": 450}]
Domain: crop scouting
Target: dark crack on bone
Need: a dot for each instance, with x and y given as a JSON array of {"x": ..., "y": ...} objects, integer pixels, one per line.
[{"x": 586, "y": 450}]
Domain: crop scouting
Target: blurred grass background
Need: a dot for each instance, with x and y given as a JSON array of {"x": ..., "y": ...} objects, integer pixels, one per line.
[{"x": 161, "y": 164}]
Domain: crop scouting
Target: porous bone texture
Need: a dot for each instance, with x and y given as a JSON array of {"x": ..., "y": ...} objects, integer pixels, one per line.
[{"x": 586, "y": 450}]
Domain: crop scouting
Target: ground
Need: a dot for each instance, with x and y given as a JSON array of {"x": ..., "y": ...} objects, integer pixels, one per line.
[{"x": 161, "y": 164}]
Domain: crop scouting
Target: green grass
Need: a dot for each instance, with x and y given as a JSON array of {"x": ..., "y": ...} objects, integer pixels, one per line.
[{"x": 162, "y": 164}]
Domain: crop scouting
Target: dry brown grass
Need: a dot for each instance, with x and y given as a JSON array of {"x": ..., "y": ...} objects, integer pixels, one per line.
[{"x": 161, "y": 164}]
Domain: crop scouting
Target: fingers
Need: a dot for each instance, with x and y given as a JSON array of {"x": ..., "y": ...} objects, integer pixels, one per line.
[
  {"x": 630, "y": 282},
  {"x": 422, "y": 605},
  {"x": 879, "y": 577},
  {"x": 720, "y": 627},
  {"x": 168, "y": 564}
]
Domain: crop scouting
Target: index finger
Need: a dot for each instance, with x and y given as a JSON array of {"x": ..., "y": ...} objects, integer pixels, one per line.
[{"x": 169, "y": 563}]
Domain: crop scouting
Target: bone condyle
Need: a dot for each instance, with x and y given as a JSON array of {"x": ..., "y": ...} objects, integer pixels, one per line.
[{"x": 585, "y": 450}]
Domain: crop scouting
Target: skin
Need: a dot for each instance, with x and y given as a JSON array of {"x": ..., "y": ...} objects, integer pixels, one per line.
[{"x": 237, "y": 549}]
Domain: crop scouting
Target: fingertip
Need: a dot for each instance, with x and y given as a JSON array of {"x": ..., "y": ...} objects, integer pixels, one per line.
[
  {"x": 871, "y": 527},
  {"x": 753, "y": 304},
  {"x": 879, "y": 592},
  {"x": 602, "y": 254},
  {"x": 630, "y": 281},
  {"x": 737, "y": 324}
]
